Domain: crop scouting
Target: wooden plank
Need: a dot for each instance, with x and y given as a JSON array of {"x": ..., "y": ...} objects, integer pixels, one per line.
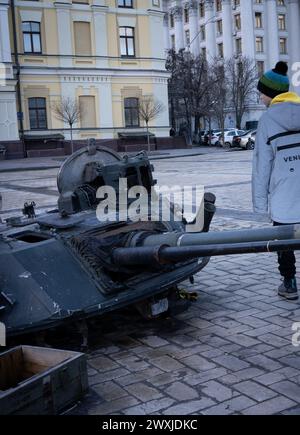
[
  {"x": 46, "y": 392},
  {"x": 11, "y": 364}
]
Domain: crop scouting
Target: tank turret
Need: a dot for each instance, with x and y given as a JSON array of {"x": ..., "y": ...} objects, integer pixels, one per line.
[{"x": 88, "y": 257}]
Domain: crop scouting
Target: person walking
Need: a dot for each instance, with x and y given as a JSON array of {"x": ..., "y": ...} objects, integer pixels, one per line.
[{"x": 276, "y": 164}]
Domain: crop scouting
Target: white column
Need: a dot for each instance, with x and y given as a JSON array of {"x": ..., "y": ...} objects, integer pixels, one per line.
[
  {"x": 227, "y": 29},
  {"x": 167, "y": 44},
  {"x": 5, "y": 49},
  {"x": 194, "y": 27},
  {"x": 160, "y": 92},
  {"x": 156, "y": 37},
  {"x": 64, "y": 32},
  {"x": 273, "y": 36},
  {"x": 294, "y": 38},
  {"x": 210, "y": 30},
  {"x": 8, "y": 107},
  {"x": 105, "y": 106},
  {"x": 247, "y": 31},
  {"x": 179, "y": 40},
  {"x": 294, "y": 30},
  {"x": 100, "y": 35}
]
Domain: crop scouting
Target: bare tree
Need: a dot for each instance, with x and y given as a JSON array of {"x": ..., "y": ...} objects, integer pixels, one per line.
[
  {"x": 190, "y": 88},
  {"x": 219, "y": 93},
  {"x": 242, "y": 77},
  {"x": 68, "y": 110},
  {"x": 149, "y": 109}
]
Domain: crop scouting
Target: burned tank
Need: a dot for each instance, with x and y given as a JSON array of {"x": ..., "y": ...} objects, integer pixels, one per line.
[{"x": 69, "y": 265}]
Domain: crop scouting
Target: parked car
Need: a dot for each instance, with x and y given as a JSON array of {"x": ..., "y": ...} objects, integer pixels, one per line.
[
  {"x": 228, "y": 137},
  {"x": 215, "y": 136},
  {"x": 247, "y": 140}
]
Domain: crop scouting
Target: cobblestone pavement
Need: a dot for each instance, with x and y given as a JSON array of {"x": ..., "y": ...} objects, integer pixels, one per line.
[{"x": 230, "y": 352}]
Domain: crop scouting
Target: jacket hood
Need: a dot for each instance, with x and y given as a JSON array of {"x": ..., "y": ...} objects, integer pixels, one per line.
[{"x": 285, "y": 111}]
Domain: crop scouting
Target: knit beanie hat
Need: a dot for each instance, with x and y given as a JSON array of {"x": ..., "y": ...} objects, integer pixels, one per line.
[{"x": 275, "y": 81}]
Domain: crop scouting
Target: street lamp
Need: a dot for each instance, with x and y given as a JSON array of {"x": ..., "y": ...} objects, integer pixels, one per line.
[{"x": 210, "y": 20}]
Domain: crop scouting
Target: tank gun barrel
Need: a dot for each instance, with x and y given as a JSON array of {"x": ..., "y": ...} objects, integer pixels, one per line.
[
  {"x": 173, "y": 239},
  {"x": 163, "y": 254}
]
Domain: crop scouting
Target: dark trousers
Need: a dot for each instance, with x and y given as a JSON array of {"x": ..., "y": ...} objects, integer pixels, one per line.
[{"x": 286, "y": 261}]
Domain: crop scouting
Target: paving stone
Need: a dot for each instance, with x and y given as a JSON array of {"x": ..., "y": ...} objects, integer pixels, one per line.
[
  {"x": 190, "y": 407},
  {"x": 231, "y": 362},
  {"x": 141, "y": 376},
  {"x": 269, "y": 378},
  {"x": 167, "y": 364},
  {"x": 143, "y": 392},
  {"x": 200, "y": 378},
  {"x": 255, "y": 391},
  {"x": 293, "y": 411},
  {"x": 102, "y": 364},
  {"x": 230, "y": 406},
  {"x": 242, "y": 375},
  {"x": 108, "y": 376},
  {"x": 109, "y": 391},
  {"x": 154, "y": 341},
  {"x": 181, "y": 392},
  {"x": 273, "y": 340},
  {"x": 261, "y": 331},
  {"x": 292, "y": 361},
  {"x": 264, "y": 362},
  {"x": 289, "y": 389},
  {"x": 149, "y": 407},
  {"x": 217, "y": 391},
  {"x": 198, "y": 363},
  {"x": 279, "y": 353},
  {"x": 114, "y": 406},
  {"x": 270, "y": 407}
]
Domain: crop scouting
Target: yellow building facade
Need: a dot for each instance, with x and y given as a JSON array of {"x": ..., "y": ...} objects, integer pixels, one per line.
[{"x": 103, "y": 54}]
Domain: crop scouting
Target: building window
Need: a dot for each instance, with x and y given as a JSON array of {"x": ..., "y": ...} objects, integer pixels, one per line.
[
  {"x": 220, "y": 50},
  {"x": 87, "y": 111},
  {"x": 236, "y": 3},
  {"x": 125, "y": 3},
  {"x": 173, "y": 42},
  {"x": 219, "y": 27},
  {"x": 258, "y": 20},
  {"x": 282, "y": 46},
  {"x": 202, "y": 9},
  {"x": 32, "y": 37},
  {"x": 37, "y": 113},
  {"x": 131, "y": 107},
  {"x": 202, "y": 33},
  {"x": 280, "y": 3},
  {"x": 187, "y": 37},
  {"x": 238, "y": 46},
  {"x": 259, "y": 42},
  {"x": 172, "y": 21},
  {"x": 127, "y": 48},
  {"x": 260, "y": 66},
  {"x": 237, "y": 22},
  {"x": 82, "y": 38},
  {"x": 203, "y": 52},
  {"x": 186, "y": 15},
  {"x": 281, "y": 22},
  {"x": 218, "y": 5}
]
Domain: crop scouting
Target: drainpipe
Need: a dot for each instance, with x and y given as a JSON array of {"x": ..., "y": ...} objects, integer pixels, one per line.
[{"x": 18, "y": 68}]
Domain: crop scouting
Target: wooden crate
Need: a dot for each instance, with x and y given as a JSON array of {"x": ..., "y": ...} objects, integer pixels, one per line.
[{"x": 37, "y": 380}]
